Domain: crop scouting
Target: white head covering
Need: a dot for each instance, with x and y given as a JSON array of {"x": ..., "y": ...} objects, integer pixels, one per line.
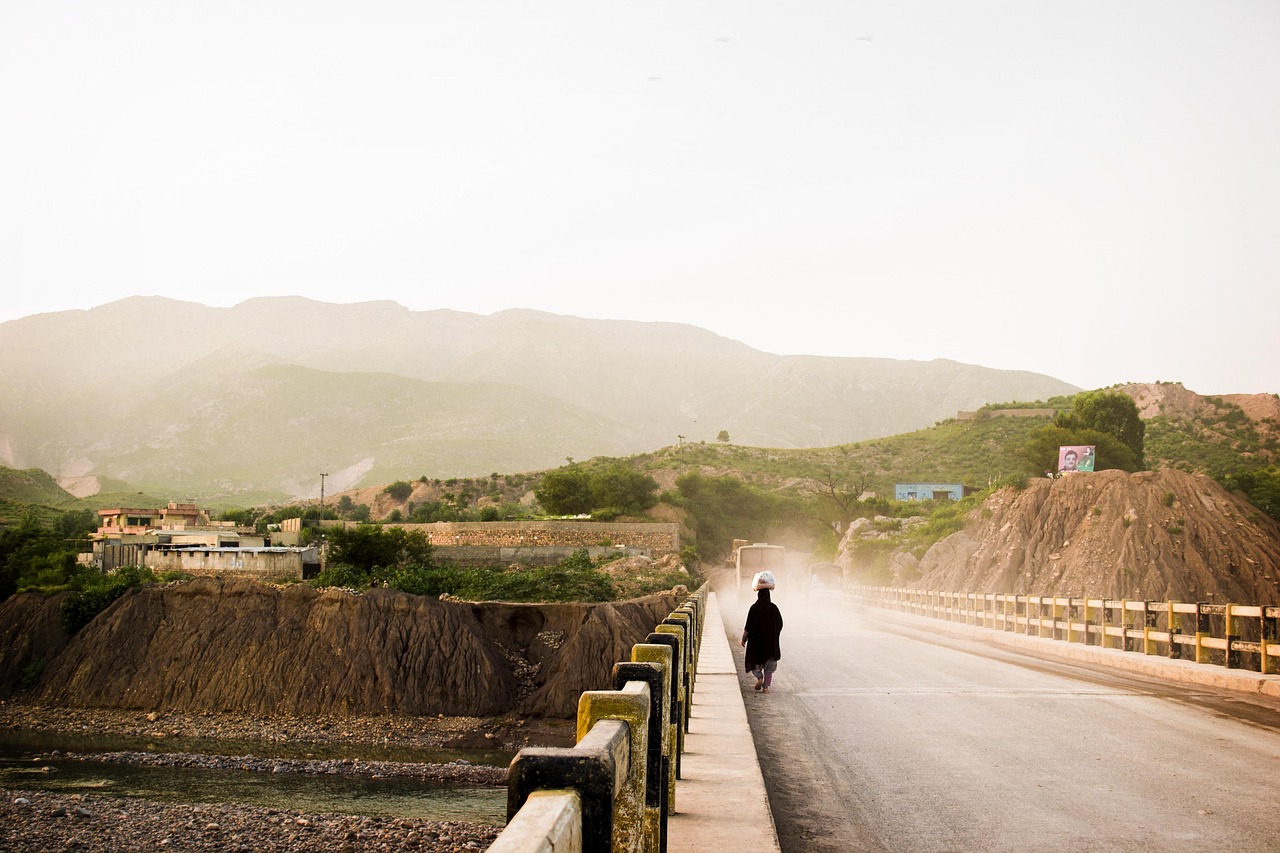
[{"x": 764, "y": 580}]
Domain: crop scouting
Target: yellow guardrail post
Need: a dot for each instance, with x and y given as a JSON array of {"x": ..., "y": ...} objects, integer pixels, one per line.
[
  {"x": 631, "y": 706},
  {"x": 678, "y": 630},
  {"x": 1268, "y": 639},
  {"x": 662, "y": 649},
  {"x": 1202, "y": 626},
  {"x": 1233, "y": 655},
  {"x": 656, "y": 676},
  {"x": 684, "y": 622},
  {"x": 1124, "y": 625}
]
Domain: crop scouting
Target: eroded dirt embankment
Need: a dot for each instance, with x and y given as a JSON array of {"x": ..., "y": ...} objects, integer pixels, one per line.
[
  {"x": 237, "y": 646},
  {"x": 1161, "y": 535}
]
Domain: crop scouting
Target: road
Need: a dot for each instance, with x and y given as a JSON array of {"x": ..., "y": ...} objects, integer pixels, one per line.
[{"x": 876, "y": 738}]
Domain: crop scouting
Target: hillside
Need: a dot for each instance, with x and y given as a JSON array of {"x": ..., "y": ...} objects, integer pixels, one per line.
[
  {"x": 1207, "y": 434},
  {"x": 252, "y": 403},
  {"x": 1159, "y": 535}
]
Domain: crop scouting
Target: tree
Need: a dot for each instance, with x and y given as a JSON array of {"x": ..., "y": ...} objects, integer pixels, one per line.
[
  {"x": 621, "y": 487},
  {"x": 371, "y": 547},
  {"x": 842, "y": 490},
  {"x": 723, "y": 437},
  {"x": 565, "y": 491},
  {"x": 1110, "y": 412},
  {"x": 725, "y": 508},
  {"x": 34, "y": 555},
  {"x": 1040, "y": 453},
  {"x": 1261, "y": 487},
  {"x": 399, "y": 490}
]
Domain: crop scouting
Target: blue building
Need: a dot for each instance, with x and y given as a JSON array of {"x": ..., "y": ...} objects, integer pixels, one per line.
[{"x": 931, "y": 491}]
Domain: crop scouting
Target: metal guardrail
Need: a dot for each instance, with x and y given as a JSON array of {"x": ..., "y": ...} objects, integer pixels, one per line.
[
  {"x": 615, "y": 788},
  {"x": 1235, "y": 636}
]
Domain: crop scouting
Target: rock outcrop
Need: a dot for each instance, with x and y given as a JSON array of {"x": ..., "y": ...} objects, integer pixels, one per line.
[
  {"x": 1156, "y": 535},
  {"x": 236, "y": 645}
]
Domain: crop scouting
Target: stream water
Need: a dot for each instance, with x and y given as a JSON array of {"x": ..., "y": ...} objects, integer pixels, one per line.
[{"x": 26, "y": 763}]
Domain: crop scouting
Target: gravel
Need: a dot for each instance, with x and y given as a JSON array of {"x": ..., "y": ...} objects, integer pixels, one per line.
[
  {"x": 45, "y": 821},
  {"x": 34, "y": 821}
]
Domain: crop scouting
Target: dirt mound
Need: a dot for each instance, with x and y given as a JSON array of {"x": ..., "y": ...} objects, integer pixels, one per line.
[
  {"x": 234, "y": 645},
  {"x": 31, "y": 633},
  {"x": 1156, "y": 535}
]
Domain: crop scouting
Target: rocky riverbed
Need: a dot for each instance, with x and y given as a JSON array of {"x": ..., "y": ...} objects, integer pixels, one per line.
[{"x": 45, "y": 821}]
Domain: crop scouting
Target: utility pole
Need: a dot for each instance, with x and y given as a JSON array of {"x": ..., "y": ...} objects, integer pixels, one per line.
[{"x": 322, "y": 476}]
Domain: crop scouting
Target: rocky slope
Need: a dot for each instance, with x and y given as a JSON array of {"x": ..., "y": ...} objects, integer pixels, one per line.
[
  {"x": 1157, "y": 535},
  {"x": 239, "y": 646}
]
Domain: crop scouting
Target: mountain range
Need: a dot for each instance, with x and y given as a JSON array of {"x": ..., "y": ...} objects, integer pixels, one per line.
[{"x": 253, "y": 403}]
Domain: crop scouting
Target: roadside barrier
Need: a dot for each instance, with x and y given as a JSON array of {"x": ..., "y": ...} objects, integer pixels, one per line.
[
  {"x": 1235, "y": 636},
  {"x": 612, "y": 792}
]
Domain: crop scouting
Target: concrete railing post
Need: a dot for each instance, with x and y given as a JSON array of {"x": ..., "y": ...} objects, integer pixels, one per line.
[
  {"x": 679, "y": 631},
  {"x": 591, "y": 768},
  {"x": 631, "y": 706},
  {"x": 549, "y": 820},
  {"x": 655, "y": 675},
  {"x": 615, "y": 789},
  {"x": 663, "y": 654},
  {"x": 685, "y": 626}
]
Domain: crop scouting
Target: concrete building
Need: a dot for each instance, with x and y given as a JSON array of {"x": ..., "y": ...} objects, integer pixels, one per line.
[{"x": 931, "y": 491}]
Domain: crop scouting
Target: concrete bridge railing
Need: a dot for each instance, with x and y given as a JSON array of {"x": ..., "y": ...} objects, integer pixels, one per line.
[
  {"x": 615, "y": 788},
  {"x": 1235, "y": 636}
]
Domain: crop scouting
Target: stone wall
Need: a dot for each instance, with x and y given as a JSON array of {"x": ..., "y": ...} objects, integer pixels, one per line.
[
  {"x": 983, "y": 414},
  {"x": 488, "y": 555},
  {"x": 656, "y": 538}
]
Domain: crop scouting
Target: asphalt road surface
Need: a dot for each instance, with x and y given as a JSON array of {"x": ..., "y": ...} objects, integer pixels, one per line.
[{"x": 878, "y": 737}]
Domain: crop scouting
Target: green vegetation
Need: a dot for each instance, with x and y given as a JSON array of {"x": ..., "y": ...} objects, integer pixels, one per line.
[
  {"x": 801, "y": 498},
  {"x": 934, "y": 520},
  {"x": 40, "y": 553},
  {"x": 1107, "y": 419},
  {"x": 605, "y": 490},
  {"x": 374, "y": 555},
  {"x": 399, "y": 490},
  {"x": 1262, "y": 488},
  {"x": 370, "y": 549},
  {"x": 95, "y": 591},
  {"x": 39, "y": 557},
  {"x": 1218, "y": 441}
]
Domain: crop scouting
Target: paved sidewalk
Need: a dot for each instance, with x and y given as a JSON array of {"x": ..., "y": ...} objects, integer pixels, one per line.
[{"x": 721, "y": 804}]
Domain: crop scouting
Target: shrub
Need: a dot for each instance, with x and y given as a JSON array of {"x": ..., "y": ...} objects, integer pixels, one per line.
[
  {"x": 31, "y": 674},
  {"x": 342, "y": 575},
  {"x": 81, "y": 606},
  {"x": 399, "y": 490}
]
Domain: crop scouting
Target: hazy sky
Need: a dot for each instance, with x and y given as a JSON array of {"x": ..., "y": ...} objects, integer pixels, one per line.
[{"x": 1085, "y": 189}]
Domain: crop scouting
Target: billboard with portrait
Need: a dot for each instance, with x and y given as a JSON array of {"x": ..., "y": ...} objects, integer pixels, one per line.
[{"x": 1075, "y": 457}]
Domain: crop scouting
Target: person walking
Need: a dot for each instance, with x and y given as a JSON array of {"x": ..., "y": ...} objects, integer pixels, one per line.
[{"x": 760, "y": 636}]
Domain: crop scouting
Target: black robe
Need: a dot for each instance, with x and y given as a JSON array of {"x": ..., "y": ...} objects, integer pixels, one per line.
[{"x": 764, "y": 624}]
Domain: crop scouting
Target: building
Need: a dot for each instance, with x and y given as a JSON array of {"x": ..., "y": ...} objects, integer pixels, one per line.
[
  {"x": 931, "y": 491},
  {"x": 175, "y": 516},
  {"x": 263, "y": 563},
  {"x": 181, "y": 538}
]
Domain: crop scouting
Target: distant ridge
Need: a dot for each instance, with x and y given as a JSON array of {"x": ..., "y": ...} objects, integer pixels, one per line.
[{"x": 255, "y": 401}]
